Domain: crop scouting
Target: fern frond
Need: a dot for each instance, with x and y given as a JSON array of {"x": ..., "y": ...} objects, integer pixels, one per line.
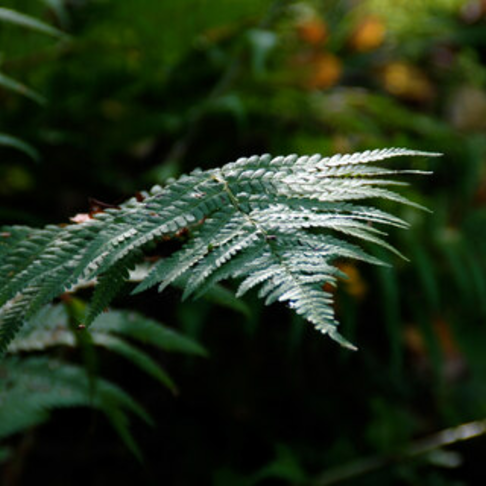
[
  {"x": 21, "y": 247},
  {"x": 168, "y": 270},
  {"x": 146, "y": 331},
  {"x": 31, "y": 387},
  {"x": 110, "y": 284},
  {"x": 135, "y": 356},
  {"x": 278, "y": 222},
  {"x": 50, "y": 327}
]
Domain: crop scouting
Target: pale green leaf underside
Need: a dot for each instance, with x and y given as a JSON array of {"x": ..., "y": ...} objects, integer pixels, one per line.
[{"x": 278, "y": 224}]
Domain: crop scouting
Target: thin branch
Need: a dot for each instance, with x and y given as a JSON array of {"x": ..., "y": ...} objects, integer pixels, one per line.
[{"x": 422, "y": 446}]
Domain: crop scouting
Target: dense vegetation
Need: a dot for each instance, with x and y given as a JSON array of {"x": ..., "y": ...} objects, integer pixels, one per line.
[{"x": 101, "y": 99}]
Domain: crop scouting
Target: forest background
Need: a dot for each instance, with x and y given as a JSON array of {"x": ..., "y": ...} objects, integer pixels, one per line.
[{"x": 137, "y": 91}]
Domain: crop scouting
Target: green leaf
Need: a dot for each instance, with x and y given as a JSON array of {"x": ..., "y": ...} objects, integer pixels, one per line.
[
  {"x": 13, "y": 85},
  {"x": 31, "y": 23},
  {"x": 14, "y": 142},
  {"x": 32, "y": 387},
  {"x": 51, "y": 327},
  {"x": 135, "y": 356},
  {"x": 146, "y": 331},
  {"x": 285, "y": 466}
]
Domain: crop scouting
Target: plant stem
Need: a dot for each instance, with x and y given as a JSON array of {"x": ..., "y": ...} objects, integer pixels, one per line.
[{"x": 369, "y": 464}]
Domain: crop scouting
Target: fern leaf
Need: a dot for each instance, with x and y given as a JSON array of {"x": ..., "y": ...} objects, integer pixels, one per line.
[
  {"x": 21, "y": 248},
  {"x": 33, "y": 386},
  {"x": 50, "y": 327},
  {"x": 278, "y": 223},
  {"x": 135, "y": 356},
  {"x": 169, "y": 269},
  {"x": 146, "y": 331},
  {"x": 110, "y": 285}
]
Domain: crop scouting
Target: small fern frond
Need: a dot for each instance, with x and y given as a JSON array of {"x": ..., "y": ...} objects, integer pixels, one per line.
[
  {"x": 279, "y": 223},
  {"x": 31, "y": 387},
  {"x": 50, "y": 327}
]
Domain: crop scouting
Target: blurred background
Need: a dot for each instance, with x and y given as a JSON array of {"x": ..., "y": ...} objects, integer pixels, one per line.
[{"x": 143, "y": 90}]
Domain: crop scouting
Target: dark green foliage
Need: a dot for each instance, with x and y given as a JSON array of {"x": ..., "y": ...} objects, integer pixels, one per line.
[
  {"x": 13, "y": 17},
  {"x": 33, "y": 386}
]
